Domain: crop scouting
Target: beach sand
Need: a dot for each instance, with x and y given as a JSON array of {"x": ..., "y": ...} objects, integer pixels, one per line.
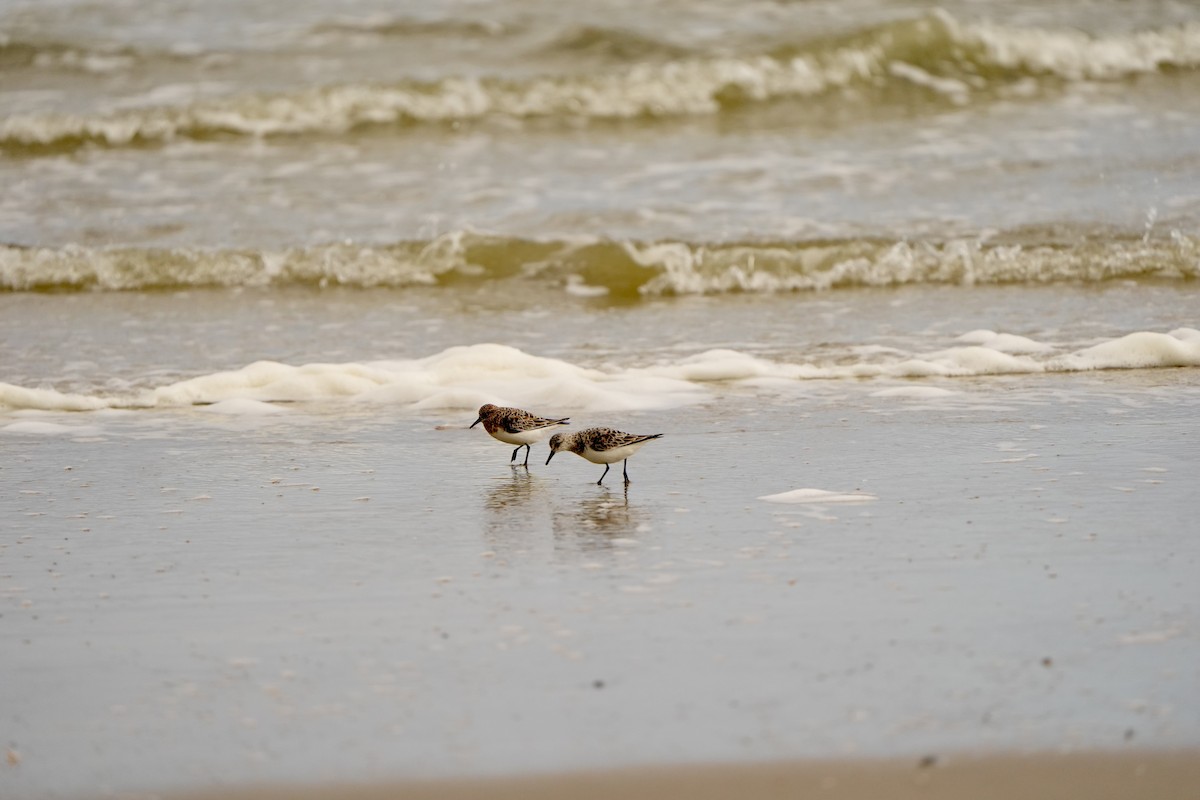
[
  {"x": 1098, "y": 776},
  {"x": 206, "y": 599}
]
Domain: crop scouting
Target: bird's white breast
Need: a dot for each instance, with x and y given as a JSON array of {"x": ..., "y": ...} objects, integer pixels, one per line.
[
  {"x": 611, "y": 456},
  {"x": 521, "y": 437}
]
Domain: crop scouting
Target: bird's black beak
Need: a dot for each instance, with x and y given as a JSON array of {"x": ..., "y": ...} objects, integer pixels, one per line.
[
  {"x": 552, "y": 452},
  {"x": 476, "y": 422}
]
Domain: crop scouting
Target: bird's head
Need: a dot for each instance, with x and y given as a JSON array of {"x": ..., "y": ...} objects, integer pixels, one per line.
[
  {"x": 557, "y": 442},
  {"x": 485, "y": 410}
]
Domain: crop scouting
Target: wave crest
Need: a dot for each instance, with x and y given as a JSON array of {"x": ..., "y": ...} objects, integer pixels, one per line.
[
  {"x": 620, "y": 269},
  {"x": 935, "y": 53}
]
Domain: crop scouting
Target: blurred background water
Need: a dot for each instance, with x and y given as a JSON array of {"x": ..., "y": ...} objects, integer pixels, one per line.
[{"x": 189, "y": 143}]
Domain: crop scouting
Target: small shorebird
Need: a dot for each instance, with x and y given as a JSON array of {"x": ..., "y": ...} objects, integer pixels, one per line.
[
  {"x": 514, "y": 426},
  {"x": 601, "y": 446}
]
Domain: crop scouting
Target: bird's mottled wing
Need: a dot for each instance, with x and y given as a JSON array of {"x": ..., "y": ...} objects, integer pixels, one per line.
[
  {"x": 519, "y": 421},
  {"x": 601, "y": 439}
]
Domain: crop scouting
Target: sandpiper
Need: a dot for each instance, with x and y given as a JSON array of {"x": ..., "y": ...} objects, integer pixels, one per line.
[
  {"x": 601, "y": 446},
  {"x": 514, "y": 426}
]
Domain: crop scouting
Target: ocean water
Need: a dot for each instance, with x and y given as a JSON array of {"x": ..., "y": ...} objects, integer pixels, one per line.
[{"x": 911, "y": 288}]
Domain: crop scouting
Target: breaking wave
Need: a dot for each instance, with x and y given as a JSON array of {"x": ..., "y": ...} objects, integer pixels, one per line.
[
  {"x": 16, "y": 54},
  {"x": 934, "y": 54},
  {"x": 619, "y": 269},
  {"x": 401, "y": 28},
  {"x": 614, "y": 45}
]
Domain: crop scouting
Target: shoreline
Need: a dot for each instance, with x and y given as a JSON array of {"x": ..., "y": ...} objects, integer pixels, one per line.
[
  {"x": 243, "y": 608},
  {"x": 1093, "y": 774}
]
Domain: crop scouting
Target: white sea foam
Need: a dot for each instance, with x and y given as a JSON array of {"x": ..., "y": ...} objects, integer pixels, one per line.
[
  {"x": 243, "y": 407},
  {"x": 1151, "y": 637},
  {"x": 955, "y": 89},
  {"x": 724, "y": 365},
  {"x": 1004, "y": 342},
  {"x": 267, "y": 381},
  {"x": 973, "y": 360},
  {"x": 817, "y": 496},
  {"x": 917, "y": 392},
  {"x": 466, "y": 377},
  {"x": 576, "y": 286},
  {"x": 47, "y": 399},
  {"x": 31, "y": 427},
  {"x": 1179, "y": 348},
  {"x": 1075, "y": 55}
]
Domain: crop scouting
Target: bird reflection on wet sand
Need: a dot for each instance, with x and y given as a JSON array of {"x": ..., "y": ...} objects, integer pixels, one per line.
[
  {"x": 512, "y": 492},
  {"x": 596, "y": 522},
  {"x": 517, "y": 507},
  {"x": 524, "y": 515}
]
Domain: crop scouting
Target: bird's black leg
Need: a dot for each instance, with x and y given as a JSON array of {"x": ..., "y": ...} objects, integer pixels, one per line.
[
  {"x": 601, "y": 481},
  {"x": 514, "y": 456},
  {"x": 526, "y": 456},
  {"x": 625, "y": 470}
]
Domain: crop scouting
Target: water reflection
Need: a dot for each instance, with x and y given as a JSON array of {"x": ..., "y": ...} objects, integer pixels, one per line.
[
  {"x": 525, "y": 514},
  {"x": 517, "y": 508},
  {"x": 510, "y": 494},
  {"x": 595, "y": 522}
]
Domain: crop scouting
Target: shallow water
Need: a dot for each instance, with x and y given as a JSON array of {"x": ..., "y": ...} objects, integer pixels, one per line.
[
  {"x": 138, "y": 341},
  {"x": 205, "y": 125}
]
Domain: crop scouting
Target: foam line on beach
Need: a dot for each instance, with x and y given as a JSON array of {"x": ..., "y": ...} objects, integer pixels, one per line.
[{"x": 465, "y": 377}]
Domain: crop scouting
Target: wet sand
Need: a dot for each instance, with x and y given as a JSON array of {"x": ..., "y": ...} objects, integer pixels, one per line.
[
  {"x": 200, "y": 601},
  {"x": 1097, "y": 776}
]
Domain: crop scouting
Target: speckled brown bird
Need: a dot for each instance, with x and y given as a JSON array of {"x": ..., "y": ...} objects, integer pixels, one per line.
[
  {"x": 514, "y": 426},
  {"x": 601, "y": 446}
]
